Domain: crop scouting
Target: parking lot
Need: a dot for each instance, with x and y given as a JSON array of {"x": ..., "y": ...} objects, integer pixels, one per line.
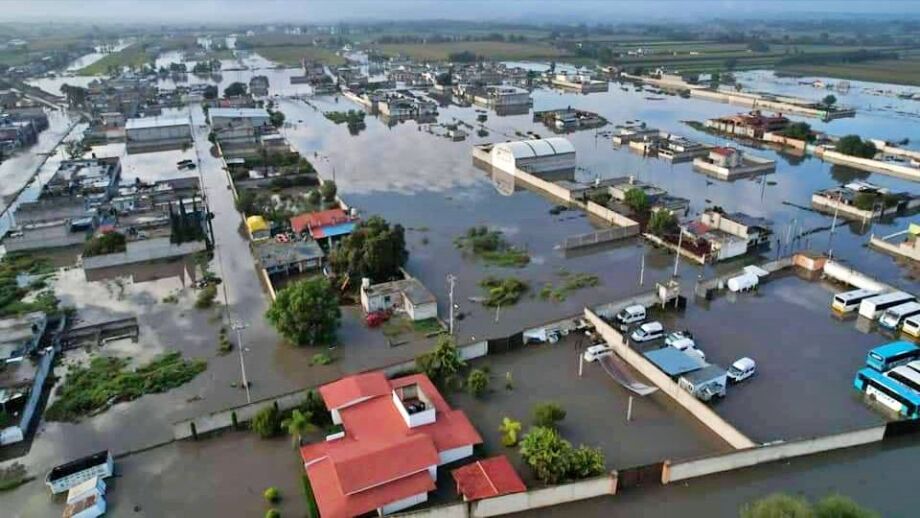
[
  {"x": 806, "y": 358},
  {"x": 596, "y": 408}
]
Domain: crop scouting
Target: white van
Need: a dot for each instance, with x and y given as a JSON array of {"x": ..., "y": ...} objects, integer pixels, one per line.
[
  {"x": 741, "y": 370},
  {"x": 631, "y": 314},
  {"x": 595, "y": 352},
  {"x": 892, "y": 318},
  {"x": 911, "y": 326},
  {"x": 647, "y": 332}
]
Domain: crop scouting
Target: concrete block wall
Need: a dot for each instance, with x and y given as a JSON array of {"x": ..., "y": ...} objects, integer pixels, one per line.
[
  {"x": 543, "y": 185},
  {"x": 750, "y": 457},
  {"x": 612, "y": 217},
  {"x": 545, "y": 497},
  {"x": 868, "y": 164},
  {"x": 698, "y": 409}
]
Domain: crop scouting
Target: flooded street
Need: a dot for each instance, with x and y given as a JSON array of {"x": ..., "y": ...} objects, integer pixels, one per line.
[{"x": 429, "y": 185}]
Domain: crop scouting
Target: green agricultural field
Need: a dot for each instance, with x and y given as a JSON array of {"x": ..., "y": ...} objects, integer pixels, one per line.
[
  {"x": 497, "y": 50},
  {"x": 292, "y": 55},
  {"x": 135, "y": 55},
  {"x": 898, "y": 71}
]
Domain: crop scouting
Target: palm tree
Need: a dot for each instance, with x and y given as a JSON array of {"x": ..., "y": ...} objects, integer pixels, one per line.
[
  {"x": 509, "y": 428},
  {"x": 298, "y": 424}
]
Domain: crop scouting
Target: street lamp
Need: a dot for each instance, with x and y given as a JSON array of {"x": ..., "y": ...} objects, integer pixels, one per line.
[{"x": 238, "y": 326}]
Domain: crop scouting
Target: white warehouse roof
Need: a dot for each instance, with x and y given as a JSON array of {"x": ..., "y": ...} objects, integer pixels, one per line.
[
  {"x": 538, "y": 148},
  {"x": 156, "y": 122},
  {"x": 237, "y": 113}
]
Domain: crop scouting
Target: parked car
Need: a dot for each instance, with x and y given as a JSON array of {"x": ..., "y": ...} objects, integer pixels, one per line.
[
  {"x": 595, "y": 352},
  {"x": 741, "y": 370},
  {"x": 376, "y": 318},
  {"x": 647, "y": 332},
  {"x": 631, "y": 314},
  {"x": 679, "y": 337}
]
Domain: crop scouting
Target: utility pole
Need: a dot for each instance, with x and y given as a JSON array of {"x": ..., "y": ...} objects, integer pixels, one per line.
[
  {"x": 629, "y": 410},
  {"x": 680, "y": 242},
  {"x": 238, "y": 326},
  {"x": 642, "y": 270},
  {"x": 451, "y": 281},
  {"x": 830, "y": 240}
]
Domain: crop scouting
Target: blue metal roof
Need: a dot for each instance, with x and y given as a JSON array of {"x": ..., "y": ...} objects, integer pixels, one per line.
[{"x": 674, "y": 362}]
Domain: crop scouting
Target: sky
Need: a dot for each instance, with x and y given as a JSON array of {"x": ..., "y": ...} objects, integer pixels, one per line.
[{"x": 325, "y": 11}]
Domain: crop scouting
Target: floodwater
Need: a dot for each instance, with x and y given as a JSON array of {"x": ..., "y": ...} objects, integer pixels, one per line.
[
  {"x": 596, "y": 407},
  {"x": 429, "y": 185},
  {"x": 99, "y": 53},
  {"x": 805, "y": 362}
]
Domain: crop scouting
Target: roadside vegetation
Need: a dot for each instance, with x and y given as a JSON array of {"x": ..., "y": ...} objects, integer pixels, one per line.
[
  {"x": 853, "y": 145},
  {"x": 13, "y": 476},
  {"x": 91, "y": 389},
  {"x": 491, "y": 247},
  {"x": 17, "y": 267},
  {"x": 552, "y": 458}
]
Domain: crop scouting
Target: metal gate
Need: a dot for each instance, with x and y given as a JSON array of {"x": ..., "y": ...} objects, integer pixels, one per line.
[
  {"x": 503, "y": 345},
  {"x": 638, "y": 476}
]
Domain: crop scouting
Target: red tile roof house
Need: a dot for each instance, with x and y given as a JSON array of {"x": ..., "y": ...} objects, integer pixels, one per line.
[
  {"x": 327, "y": 223},
  {"x": 396, "y": 434},
  {"x": 487, "y": 478}
]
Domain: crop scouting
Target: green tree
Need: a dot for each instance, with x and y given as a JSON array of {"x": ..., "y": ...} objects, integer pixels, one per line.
[
  {"x": 548, "y": 415},
  {"x": 477, "y": 382},
  {"x": 637, "y": 200},
  {"x": 854, "y": 146},
  {"x": 799, "y": 131},
  {"x": 547, "y": 454},
  {"x": 329, "y": 190},
  {"x": 313, "y": 197},
  {"x": 273, "y": 513},
  {"x": 271, "y": 495},
  {"x": 267, "y": 422},
  {"x": 662, "y": 222},
  {"x": 276, "y": 118},
  {"x": 839, "y": 506},
  {"x": 306, "y": 312},
  {"x": 210, "y": 92},
  {"x": 298, "y": 424},
  {"x": 510, "y": 430},
  {"x": 829, "y": 100},
  {"x": 235, "y": 89},
  {"x": 374, "y": 250},
  {"x": 443, "y": 363},
  {"x": 109, "y": 243},
  {"x": 778, "y": 506}
]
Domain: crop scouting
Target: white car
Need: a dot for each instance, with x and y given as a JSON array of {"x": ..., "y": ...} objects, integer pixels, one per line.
[
  {"x": 741, "y": 370},
  {"x": 679, "y": 337},
  {"x": 647, "y": 332},
  {"x": 631, "y": 314},
  {"x": 595, "y": 352}
]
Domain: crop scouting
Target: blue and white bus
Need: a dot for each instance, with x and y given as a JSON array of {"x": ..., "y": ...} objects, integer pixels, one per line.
[
  {"x": 889, "y": 392},
  {"x": 888, "y": 356}
]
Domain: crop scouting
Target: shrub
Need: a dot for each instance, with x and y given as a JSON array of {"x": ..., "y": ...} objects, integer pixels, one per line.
[
  {"x": 328, "y": 189},
  {"x": 206, "y": 296},
  {"x": 854, "y": 146},
  {"x": 272, "y": 495},
  {"x": 272, "y": 513},
  {"x": 477, "y": 382},
  {"x": 321, "y": 359},
  {"x": 443, "y": 363},
  {"x": 779, "y": 505},
  {"x": 110, "y": 243},
  {"x": 554, "y": 460},
  {"x": 509, "y": 429},
  {"x": 502, "y": 292},
  {"x": 548, "y": 415},
  {"x": 306, "y": 312},
  {"x": 267, "y": 423}
]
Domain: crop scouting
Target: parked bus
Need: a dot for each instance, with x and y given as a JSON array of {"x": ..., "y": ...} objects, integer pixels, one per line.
[
  {"x": 889, "y": 392},
  {"x": 892, "y": 318},
  {"x": 907, "y": 376},
  {"x": 891, "y": 355},
  {"x": 873, "y": 307},
  {"x": 911, "y": 326},
  {"x": 849, "y": 300}
]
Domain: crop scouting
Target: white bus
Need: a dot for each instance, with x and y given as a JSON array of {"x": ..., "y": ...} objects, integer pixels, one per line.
[
  {"x": 911, "y": 326},
  {"x": 892, "y": 318},
  {"x": 873, "y": 307},
  {"x": 906, "y": 376},
  {"x": 849, "y": 300}
]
